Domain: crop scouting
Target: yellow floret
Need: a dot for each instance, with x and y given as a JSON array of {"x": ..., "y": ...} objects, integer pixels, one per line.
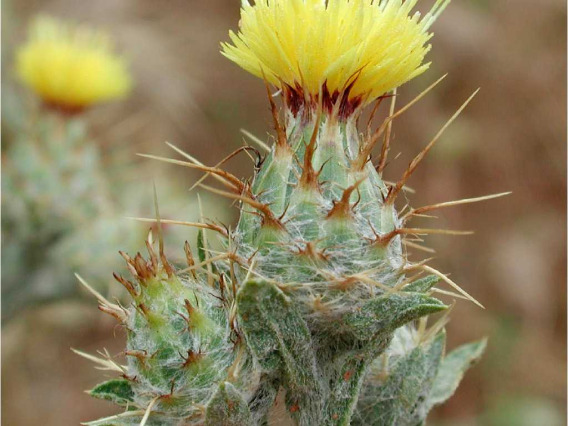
[
  {"x": 375, "y": 46},
  {"x": 71, "y": 67}
]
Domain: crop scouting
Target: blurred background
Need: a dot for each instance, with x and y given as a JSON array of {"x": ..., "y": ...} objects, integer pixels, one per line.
[{"x": 511, "y": 138}]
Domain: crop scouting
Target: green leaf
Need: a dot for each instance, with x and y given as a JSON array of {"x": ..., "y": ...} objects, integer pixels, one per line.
[
  {"x": 118, "y": 391},
  {"x": 452, "y": 370},
  {"x": 372, "y": 324},
  {"x": 280, "y": 340},
  {"x": 347, "y": 375},
  {"x": 422, "y": 285},
  {"x": 387, "y": 313},
  {"x": 227, "y": 408},
  {"x": 399, "y": 397}
]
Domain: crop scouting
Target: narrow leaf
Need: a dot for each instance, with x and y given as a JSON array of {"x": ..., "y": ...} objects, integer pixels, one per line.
[
  {"x": 422, "y": 285},
  {"x": 452, "y": 370},
  {"x": 118, "y": 391}
]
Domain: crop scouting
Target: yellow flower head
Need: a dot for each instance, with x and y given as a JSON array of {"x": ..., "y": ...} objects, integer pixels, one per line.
[
  {"x": 71, "y": 67},
  {"x": 357, "y": 49}
]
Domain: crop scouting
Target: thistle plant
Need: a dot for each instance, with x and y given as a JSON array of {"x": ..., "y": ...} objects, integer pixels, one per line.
[
  {"x": 58, "y": 185},
  {"x": 311, "y": 297},
  {"x": 56, "y": 194}
]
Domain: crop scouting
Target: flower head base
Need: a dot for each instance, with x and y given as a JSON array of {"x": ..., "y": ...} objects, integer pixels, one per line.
[
  {"x": 71, "y": 67},
  {"x": 324, "y": 50}
]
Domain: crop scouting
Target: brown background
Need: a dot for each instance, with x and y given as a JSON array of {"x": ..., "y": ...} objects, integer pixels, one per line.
[{"x": 512, "y": 137}]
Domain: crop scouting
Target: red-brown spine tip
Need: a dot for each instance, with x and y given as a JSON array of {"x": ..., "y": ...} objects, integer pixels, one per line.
[
  {"x": 141, "y": 356},
  {"x": 118, "y": 314},
  {"x": 309, "y": 178},
  {"x": 343, "y": 208},
  {"x": 127, "y": 284},
  {"x": 192, "y": 357},
  {"x": 152, "y": 254}
]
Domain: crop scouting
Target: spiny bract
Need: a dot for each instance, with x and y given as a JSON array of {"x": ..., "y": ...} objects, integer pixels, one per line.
[{"x": 312, "y": 296}]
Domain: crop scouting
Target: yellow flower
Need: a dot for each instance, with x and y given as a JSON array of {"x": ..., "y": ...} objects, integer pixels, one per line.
[
  {"x": 71, "y": 67},
  {"x": 358, "y": 48}
]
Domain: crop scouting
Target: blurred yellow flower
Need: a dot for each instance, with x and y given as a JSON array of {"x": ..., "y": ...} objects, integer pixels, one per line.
[
  {"x": 71, "y": 67},
  {"x": 364, "y": 48}
]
